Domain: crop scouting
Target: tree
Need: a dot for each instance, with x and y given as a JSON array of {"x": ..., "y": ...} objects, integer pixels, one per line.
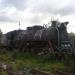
[
  {"x": 71, "y": 34},
  {"x": 0, "y": 33}
]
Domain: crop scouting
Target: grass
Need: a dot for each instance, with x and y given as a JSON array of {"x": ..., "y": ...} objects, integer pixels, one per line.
[{"x": 20, "y": 60}]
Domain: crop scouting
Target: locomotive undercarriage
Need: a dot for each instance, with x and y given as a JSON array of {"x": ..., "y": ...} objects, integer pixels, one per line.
[{"x": 39, "y": 47}]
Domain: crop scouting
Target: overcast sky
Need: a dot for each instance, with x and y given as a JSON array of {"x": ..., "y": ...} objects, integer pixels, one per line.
[{"x": 33, "y": 12}]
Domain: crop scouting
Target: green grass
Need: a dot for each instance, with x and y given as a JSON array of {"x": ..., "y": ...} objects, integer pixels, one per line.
[{"x": 20, "y": 60}]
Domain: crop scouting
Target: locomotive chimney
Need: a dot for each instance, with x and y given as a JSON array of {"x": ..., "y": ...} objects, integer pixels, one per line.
[{"x": 54, "y": 23}]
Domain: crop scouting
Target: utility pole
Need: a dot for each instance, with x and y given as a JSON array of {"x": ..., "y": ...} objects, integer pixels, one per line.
[{"x": 19, "y": 25}]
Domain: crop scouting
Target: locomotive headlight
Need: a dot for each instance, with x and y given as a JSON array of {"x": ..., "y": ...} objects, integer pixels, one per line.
[
  {"x": 65, "y": 45},
  {"x": 62, "y": 45},
  {"x": 68, "y": 45}
]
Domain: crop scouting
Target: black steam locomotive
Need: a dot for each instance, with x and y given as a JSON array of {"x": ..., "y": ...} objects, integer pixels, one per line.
[{"x": 54, "y": 37}]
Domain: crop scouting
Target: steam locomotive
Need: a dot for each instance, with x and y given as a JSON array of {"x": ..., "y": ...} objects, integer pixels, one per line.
[{"x": 54, "y": 37}]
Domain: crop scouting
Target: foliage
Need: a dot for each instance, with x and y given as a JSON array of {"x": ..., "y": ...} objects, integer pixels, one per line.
[
  {"x": 47, "y": 63},
  {"x": 21, "y": 60},
  {"x": 0, "y": 32},
  {"x": 71, "y": 34}
]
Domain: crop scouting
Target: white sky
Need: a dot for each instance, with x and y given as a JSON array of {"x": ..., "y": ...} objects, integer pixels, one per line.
[{"x": 31, "y": 12}]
